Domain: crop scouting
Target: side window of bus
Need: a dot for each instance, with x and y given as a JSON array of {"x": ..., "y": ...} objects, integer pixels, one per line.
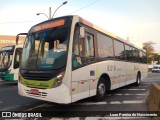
[
  {"x": 17, "y": 57},
  {"x": 137, "y": 55},
  {"x": 127, "y": 53},
  {"x": 144, "y": 57},
  {"x": 76, "y": 61},
  {"x": 83, "y": 49},
  {"x": 134, "y": 54},
  {"x": 140, "y": 57},
  {"x": 105, "y": 46},
  {"x": 87, "y": 48},
  {"x": 119, "y": 50}
]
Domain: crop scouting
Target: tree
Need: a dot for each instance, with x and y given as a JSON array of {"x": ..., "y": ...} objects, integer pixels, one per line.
[{"x": 149, "y": 51}]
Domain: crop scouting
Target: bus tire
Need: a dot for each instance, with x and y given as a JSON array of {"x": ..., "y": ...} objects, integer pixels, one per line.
[
  {"x": 101, "y": 90},
  {"x": 138, "y": 79}
]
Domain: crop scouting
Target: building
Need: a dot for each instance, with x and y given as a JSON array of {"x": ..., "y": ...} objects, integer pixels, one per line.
[{"x": 6, "y": 40}]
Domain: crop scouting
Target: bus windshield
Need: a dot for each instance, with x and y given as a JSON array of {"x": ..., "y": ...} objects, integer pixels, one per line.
[
  {"x": 45, "y": 49},
  {"x": 6, "y": 57}
]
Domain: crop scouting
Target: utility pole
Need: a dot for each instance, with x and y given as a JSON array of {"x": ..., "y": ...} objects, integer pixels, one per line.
[
  {"x": 50, "y": 16},
  {"x": 50, "y": 12}
]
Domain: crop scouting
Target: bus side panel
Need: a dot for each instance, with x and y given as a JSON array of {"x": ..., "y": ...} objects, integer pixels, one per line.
[
  {"x": 80, "y": 83},
  {"x": 144, "y": 71},
  {"x": 120, "y": 73},
  {"x": 131, "y": 72},
  {"x": 102, "y": 68}
]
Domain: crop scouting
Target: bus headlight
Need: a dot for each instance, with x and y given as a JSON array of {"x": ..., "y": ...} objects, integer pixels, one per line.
[{"x": 58, "y": 80}]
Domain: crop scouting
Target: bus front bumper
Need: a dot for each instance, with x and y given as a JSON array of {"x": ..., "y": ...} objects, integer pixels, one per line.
[{"x": 59, "y": 94}]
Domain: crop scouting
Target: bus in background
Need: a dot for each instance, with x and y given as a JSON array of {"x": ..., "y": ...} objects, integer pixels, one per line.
[
  {"x": 68, "y": 58},
  {"x": 9, "y": 61}
]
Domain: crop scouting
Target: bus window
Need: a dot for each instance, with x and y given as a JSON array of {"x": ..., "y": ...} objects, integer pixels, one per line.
[
  {"x": 83, "y": 49},
  {"x": 140, "y": 57},
  {"x": 17, "y": 57},
  {"x": 134, "y": 54},
  {"x": 119, "y": 50},
  {"x": 105, "y": 46},
  {"x": 137, "y": 55},
  {"x": 127, "y": 53},
  {"x": 144, "y": 57},
  {"x": 131, "y": 53},
  {"x": 87, "y": 49},
  {"x": 76, "y": 60}
]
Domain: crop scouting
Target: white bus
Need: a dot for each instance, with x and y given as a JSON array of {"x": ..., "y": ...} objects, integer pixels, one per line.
[
  {"x": 68, "y": 58},
  {"x": 9, "y": 61}
]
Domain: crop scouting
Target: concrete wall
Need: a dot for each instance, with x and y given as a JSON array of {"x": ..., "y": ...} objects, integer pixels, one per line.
[
  {"x": 153, "y": 100},
  {"x": 6, "y": 40}
]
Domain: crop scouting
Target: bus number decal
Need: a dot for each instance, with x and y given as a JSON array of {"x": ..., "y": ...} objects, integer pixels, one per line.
[{"x": 111, "y": 68}]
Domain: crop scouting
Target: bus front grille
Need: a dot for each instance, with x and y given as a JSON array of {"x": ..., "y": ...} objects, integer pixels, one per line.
[{"x": 36, "y": 76}]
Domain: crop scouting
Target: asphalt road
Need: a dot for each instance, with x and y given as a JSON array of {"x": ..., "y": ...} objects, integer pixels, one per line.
[{"x": 128, "y": 99}]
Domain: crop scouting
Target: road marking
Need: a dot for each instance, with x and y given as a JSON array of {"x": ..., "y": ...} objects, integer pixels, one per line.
[
  {"x": 115, "y": 102},
  {"x": 104, "y": 118},
  {"x": 113, "y": 118},
  {"x": 38, "y": 106},
  {"x": 134, "y": 101},
  {"x": 91, "y": 103},
  {"x": 1, "y": 102},
  {"x": 9, "y": 108},
  {"x": 112, "y": 102},
  {"x": 130, "y": 94},
  {"x": 132, "y": 89}
]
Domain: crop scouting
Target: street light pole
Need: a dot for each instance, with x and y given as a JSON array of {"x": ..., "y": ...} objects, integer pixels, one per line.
[
  {"x": 43, "y": 14},
  {"x": 50, "y": 12},
  {"x": 58, "y": 8}
]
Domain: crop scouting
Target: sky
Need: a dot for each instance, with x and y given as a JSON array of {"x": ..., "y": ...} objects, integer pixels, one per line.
[{"x": 137, "y": 19}]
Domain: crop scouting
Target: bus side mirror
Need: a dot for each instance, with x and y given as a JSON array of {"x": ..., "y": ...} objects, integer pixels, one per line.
[{"x": 82, "y": 32}]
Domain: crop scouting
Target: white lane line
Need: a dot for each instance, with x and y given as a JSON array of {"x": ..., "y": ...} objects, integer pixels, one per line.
[
  {"x": 132, "y": 89},
  {"x": 113, "y": 118},
  {"x": 131, "y": 94},
  {"x": 91, "y": 103},
  {"x": 9, "y": 108},
  {"x": 112, "y": 102},
  {"x": 134, "y": 101},
  {"x": 38, "y": 106},
  {"x": 115, "y": 102},
  {"x": 103, "y": 118}
]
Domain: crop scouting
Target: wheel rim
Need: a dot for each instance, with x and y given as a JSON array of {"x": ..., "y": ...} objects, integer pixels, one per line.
[
  {"x": 138, "y": 80},
  {"x": 101, "y": 89}
]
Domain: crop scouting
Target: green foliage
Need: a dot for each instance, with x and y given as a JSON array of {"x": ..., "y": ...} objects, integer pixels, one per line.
[{"x": 151, "y": 56}]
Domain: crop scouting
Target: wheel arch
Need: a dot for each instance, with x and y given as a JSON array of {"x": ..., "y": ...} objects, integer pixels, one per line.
[{"x": 107, "y": 80}]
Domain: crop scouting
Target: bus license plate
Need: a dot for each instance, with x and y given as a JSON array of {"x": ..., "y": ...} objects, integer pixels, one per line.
[{"x": 34, "y": 91}]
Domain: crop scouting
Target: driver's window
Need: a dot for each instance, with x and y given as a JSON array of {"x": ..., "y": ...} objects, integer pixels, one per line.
[
  {"x": 18, "y": 54},
  {"x": 83, "y": 49}
]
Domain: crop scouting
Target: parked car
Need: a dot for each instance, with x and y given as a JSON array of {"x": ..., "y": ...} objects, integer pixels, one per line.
[{"x": 156, "y": 69}]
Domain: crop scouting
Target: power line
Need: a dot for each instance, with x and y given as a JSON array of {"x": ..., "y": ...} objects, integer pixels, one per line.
[
  {"x": 84, "y": 7},
  {"x": 42, "y": 20}
]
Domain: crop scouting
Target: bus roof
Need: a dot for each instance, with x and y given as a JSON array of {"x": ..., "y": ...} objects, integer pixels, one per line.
[
  {"x": 85, "y": 22},
  {"x": 107, "y": 32}
]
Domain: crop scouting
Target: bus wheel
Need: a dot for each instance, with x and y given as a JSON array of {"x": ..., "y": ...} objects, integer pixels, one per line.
[
  {"x": 101, "y": 90},
  {"x": 138, "y": 80}
]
